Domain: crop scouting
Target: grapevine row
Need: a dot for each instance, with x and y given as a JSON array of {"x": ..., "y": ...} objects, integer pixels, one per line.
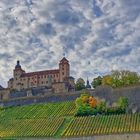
[
  {"x": 86, "y": 126},
  {"x": 30, "y": 127},
  {"x": 39, "y": 111}
]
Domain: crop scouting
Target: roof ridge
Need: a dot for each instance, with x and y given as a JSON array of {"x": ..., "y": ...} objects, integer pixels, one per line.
[{"x": 40, "y": 72}]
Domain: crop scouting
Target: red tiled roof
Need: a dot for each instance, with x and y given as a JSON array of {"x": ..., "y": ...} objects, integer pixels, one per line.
[{"x": 40, "y": 73}]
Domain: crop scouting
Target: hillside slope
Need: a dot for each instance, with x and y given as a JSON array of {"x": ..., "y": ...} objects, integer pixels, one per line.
[{"x": 57, "y": 120}]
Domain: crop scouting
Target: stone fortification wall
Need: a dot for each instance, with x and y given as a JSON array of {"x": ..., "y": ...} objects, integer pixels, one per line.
[
  {"x": 102, "y": 92},
  {"x": 112, "y": 95}
]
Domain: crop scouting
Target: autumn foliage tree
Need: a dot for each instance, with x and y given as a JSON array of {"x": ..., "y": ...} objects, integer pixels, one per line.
[
  {"x": 92, "y": 102},
  {"x": 121, "y": 79},
  {"x": 107, "y": 80},
  {"x": 88, "y": 105},
  {"x": 124, "y": 78},
  {"x": 85, "y": 105}
]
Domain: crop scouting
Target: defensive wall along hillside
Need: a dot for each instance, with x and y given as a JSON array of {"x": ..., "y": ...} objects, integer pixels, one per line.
[
  {"x": 107, "y": 93},
  {"x": 112, "y": 95}
]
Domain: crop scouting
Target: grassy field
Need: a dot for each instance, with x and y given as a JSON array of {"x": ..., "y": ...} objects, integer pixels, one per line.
[{"x": 57, "y": 120}]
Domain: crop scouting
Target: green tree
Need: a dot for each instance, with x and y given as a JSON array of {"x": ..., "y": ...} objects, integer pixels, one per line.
[
  {"x": 96, "y": 81},
  {"x": 107, "y": 80},
  {"x": 80, "y": 84},
  {"x": 124, "y": 78},
  {"x": 121, "y": 78}
]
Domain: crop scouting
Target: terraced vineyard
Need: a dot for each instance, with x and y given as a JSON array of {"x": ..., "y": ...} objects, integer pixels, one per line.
[
  {"x": 86, "y": 126},
  {"x": 57, "y": 120},
  {"x": 30, "y": 127},
  {"x": 39, "y": 111}
]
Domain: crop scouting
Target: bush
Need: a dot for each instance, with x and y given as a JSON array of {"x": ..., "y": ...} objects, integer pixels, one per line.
[
  {"x": 114, "y": 110},
  {"x": 101, "y": 107},
  {"x": 87, "y": 105},
  {"x": 84, "y": 110},
  {"x": 123, "y": 103}
]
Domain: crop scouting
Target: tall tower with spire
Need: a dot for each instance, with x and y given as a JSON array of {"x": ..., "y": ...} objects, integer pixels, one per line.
[{"x": 88, "y": 86}]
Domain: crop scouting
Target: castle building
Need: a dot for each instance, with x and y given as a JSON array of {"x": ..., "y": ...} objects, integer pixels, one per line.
[{"x": 50, "y": 78}]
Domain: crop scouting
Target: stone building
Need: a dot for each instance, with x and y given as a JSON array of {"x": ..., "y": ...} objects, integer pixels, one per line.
[{"x": 50, "y": 78}]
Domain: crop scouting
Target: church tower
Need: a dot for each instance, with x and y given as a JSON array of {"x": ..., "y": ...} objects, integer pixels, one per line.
[
  {"x": 64, "y": 69},
  {"x": 88, "y": 86}
]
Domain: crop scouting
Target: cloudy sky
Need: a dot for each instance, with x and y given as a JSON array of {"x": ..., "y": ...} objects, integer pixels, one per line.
[{"x": 97, "y": 36}]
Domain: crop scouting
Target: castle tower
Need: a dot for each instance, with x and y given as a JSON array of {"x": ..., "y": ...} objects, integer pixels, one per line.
[
  {"x": 64, "y": 69},
  {"x": 18, "y": 70}
]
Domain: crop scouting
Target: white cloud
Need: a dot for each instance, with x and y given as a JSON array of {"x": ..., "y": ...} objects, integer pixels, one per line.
[{"x": 106, "y": 33}]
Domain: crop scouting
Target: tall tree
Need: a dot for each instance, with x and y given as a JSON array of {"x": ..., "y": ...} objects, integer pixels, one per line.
[
  {"x": 107, "y": 80},
  {"x": 96, "y": 81},
  {"x": 80, "y": 84},
  {"x": 124, "y": 78}
]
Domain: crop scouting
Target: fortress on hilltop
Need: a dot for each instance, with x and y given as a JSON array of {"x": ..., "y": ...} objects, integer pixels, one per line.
[
  {"x": 47, "y": 81},
  {"x": 49, "y": 78},
  {"x": 56, "y": 86}
]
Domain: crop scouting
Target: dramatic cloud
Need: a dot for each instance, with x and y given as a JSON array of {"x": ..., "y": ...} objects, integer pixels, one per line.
[{"x": 95, "y": 35}]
